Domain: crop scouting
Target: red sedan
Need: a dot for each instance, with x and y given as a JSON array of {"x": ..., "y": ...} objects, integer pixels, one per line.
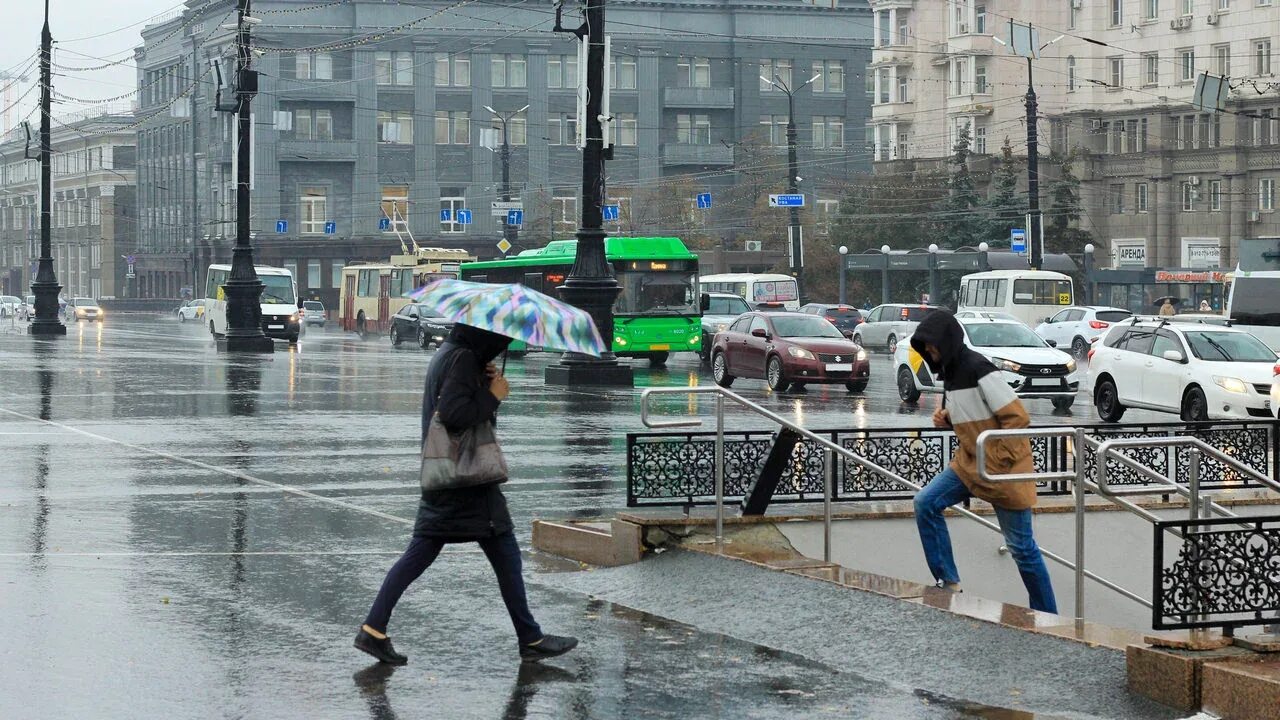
[{"x": 788, "y": 350}]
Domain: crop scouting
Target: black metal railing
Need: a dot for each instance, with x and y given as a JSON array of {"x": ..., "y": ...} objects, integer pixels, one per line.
[
  {"x": 678, "y": 468},
  {"x": 1226, "y": 574}
]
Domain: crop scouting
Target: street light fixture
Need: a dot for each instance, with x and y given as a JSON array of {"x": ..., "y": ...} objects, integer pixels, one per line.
[
  {"x": 509, "y": 231},
  {"x": 935, "y": 286},
  {"x": 844, "y": 250}
]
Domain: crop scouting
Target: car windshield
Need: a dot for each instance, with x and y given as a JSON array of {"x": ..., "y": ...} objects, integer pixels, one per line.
[
  {"x": 798, "y": 327},
  {"x": 1002, "y": 335},
  {"x": 279, "y": 289},
  {"x": 1229, "y": 347},
  {"x": 656, "y": 293},
  {"x": 727, "y": 306},
  {"x": 82, "y": 301},
  {"x": 310, "y": 305},
  {"x": 428, "y": 312}
]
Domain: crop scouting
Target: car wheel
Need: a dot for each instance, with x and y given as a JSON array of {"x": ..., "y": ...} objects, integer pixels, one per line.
[
  {"x": 395, "y": 336},
  {"x": 1107, "y": 401},
  {"x": 658, "y": 359},
  {"x": 1079, "y": 347},
  {"x": 705, "y": 353},
  {"x": 423, "y": 342},
  {"x": 1195, "y": 408},
  {"x": 773, "y": 374},
  {"x": 181, "y": 318},
  {"x": 720, "y": 370},
  {"x": 212, "y": 330},
  {"x": 857, "y": 340},
  {"x": 856, "y": 387},
  {"x": 893, "y": 344},
  {"x": 907, "y": 390},
  {"x": 1063, "y": 403}
]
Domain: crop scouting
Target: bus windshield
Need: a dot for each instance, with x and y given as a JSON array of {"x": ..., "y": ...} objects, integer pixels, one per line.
[
  {"x": 656, "y": 293},
  {"x": 278, "y": 290},
  {"x": 1253, "y": 301}
]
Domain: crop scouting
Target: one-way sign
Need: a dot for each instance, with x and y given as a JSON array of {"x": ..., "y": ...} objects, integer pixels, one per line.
[{"x": 786, "y": 200}]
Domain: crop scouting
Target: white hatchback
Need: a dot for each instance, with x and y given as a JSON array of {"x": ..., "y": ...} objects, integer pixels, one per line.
[
  {"x": 1201, "y": 372},
  {"x": 1079, "y": 326}
]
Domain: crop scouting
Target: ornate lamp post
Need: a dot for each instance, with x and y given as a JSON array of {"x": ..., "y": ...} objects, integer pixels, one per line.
[{"x": 46, "y": 286}]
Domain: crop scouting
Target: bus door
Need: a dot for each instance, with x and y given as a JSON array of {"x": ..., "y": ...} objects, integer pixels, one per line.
[
  {"x": 384, "y": 301},
  {"x": 349, "y": 302}
]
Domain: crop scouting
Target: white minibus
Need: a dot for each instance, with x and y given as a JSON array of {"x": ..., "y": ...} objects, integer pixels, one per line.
[
  {"x": 755, "y": 288},
  {"x": 279, "y": 300},
  {"x": 1029, "y": 295}
]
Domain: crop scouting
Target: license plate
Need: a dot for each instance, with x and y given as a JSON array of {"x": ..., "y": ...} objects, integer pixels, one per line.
[
  {"x": 1034, "y": 382},
  {"x": 839, "y": 367},
  {"x": 275, "y": 327},
  {"x": 664, "y": 346}
]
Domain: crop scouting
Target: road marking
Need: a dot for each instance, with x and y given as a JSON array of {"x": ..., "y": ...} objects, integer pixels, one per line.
[{"x": 214, "y": 468}]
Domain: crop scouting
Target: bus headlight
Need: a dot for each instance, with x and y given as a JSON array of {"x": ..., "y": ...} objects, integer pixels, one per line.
[
  {"x": 695, "y": 339},
  {"x": 619, "y": 340}
]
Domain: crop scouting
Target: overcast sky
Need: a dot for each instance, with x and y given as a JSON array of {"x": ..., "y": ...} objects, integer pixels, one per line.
[{"x": 107, "y": 29}]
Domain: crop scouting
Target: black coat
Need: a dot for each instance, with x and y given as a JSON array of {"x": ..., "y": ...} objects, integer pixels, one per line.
[{"x": 457, "y": 375}]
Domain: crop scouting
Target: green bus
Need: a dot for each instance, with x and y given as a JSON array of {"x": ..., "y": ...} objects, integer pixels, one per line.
[{"x": 657, "y": 312}]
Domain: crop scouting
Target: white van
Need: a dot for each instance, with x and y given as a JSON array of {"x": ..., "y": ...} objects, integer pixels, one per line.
[
  {"x": 279, "y": 300},
  {"x": 1028, "y": 295},
  {"x": 755, "y": 288},
  {"x": 1252, "y": 304}
]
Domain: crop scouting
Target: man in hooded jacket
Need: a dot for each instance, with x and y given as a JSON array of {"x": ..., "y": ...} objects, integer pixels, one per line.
[
  {"x": 977, "y": 398},
  {"x": 465, "y": 388}
]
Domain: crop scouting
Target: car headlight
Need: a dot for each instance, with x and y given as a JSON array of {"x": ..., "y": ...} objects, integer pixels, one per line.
[
  {"x": 799, "y": 352},
  {"x": 294, "y": 317},
  {"x": 1230, "y": 384},
  {"x": 862, "y": 355},
  {"x": 1006, "y": 365},
  {"x": 721, "y": 327},
  {"x": 1071, "y": 366}
]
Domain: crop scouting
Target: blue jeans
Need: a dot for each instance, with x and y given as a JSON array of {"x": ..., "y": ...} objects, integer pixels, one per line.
[
  {"x": 504, "y": 555},
  {"x": 947, "y": 490}
]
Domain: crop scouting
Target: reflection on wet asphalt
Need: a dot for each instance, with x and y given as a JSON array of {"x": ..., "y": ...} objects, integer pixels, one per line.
[{"x": 191, "y": 535}]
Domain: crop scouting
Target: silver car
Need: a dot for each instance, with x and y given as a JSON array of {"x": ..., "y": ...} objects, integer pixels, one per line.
[
  {"x": 83, "y": 309},
  {"x": 9, "y": 305},
  {"x": 885, "y": 325}
]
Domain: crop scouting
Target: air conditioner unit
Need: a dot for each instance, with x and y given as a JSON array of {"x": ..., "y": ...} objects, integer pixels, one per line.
[
  {"x": 756, "y": 245},
  {"x": 963, "y": 29},
  {"x": 1096, "y": 124},
  {"x": 1254, "y": 215},
  {"x": 1181, "y": 23},
  {"x": 1212, "y": 19},
  {"x": 1194, "y": 179}
]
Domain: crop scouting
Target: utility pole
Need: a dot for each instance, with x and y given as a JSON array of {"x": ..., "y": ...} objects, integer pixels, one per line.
[
  {"x": 591, "y": 284},
  {"x": 1035, "y": 226},
  {"x": 795, "y": 234},
  {"x": 509, "y": 231},
  {"x": 243, "y": 288},
  {"x": 46, "y": 286}
]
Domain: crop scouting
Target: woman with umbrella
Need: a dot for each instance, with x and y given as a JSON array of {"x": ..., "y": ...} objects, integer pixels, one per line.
[{"x": 465, "y": 388}]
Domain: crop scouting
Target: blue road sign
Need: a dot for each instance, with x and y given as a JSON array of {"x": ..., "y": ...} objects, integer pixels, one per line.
[
  {"x": 786, "y": 200},
  {"x": 446, "y": 216},
  {"x": 464, "y": 217},
  {"x": 1018, "y": 240},
  {"x": 282, "y": 226},
  {"x": 704, "y": 201},
  {"x": 330, "y": 227},
  {"x": 384, "y": 224},
  {"x": 610, "y": 212},
  {"x": 515, "y": 217}
]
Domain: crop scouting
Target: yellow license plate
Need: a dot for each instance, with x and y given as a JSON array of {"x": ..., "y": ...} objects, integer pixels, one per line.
[{"x": 664, "y": 346}]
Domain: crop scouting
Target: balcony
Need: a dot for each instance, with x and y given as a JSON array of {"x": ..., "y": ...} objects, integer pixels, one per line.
[
  {"x": 317, "y": 150},
  {"x": 685, "y": 154},
  {"x": 716, "y": 98}
]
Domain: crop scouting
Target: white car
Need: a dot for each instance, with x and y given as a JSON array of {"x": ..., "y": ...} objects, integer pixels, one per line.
[
  {"x": 191, "y": 310},
  {"x": 1079, "y": 326},
  {"x": 1200, "y": 372},
  {"x": 722, "y": 309},
  {"x": 1030, "y": 366},
  {"x": 83, "y": 309},
  {"x": 885, "y": 325},
  {"x": 9, "y": 305}
]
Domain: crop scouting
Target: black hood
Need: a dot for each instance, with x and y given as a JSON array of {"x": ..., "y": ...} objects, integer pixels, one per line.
[
  {"x": 483, "y": 344},
  {"x": 940, "y": 329}
]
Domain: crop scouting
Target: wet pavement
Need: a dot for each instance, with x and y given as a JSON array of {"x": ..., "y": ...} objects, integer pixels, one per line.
[{"x": 187, "y": 535}]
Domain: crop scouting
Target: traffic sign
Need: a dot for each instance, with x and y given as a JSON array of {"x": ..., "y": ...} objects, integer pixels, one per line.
[
  {"x": 515, "y": 217},
  {"x": 282, "y": 226},
  {"x": 464, "y": 217},
  {"x": 446, "y": 216},
  {"x": 786, "y": 200},
  {"x": 704, "y": 201},
  {"x": 1018, "y": 240},
  {"x": 503, "y": 246},
  {"x": 610, "y": 212},
  {"x": 330, "y": 227},
  {"x": 384, "y": 224},
  {"x": 500, "y": 208}
]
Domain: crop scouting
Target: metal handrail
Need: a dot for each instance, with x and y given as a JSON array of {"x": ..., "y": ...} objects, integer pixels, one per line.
[{"x": 832, "y": 450}]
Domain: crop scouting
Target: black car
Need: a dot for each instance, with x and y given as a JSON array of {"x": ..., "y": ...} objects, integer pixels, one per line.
[
  {"x": 420, "y": 322},
  {"x": 844, "y": 317}
]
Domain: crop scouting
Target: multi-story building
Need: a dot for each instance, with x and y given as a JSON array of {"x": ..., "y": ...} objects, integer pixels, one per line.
[
  {"x": 373, "y": 123},
  {"x": 92, "y": 212}
]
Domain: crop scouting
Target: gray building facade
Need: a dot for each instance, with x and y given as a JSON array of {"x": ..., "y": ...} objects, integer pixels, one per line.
[{"x": 373, "y": 118}]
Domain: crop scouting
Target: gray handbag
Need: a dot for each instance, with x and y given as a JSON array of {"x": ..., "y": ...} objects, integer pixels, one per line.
[{"x": 470, "y": 458}]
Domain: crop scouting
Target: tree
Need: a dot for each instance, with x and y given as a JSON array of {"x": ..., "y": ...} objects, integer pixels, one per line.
[
  {"x": 899, "y": 211},
  {"x": 962, "y": 222},
  {"x": 1007, "y": 208},
  {"x": 1060, "y": 233}
]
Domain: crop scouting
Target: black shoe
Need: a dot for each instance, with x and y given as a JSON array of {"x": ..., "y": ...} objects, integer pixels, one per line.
[
  {"x": 548, "y": 647},
  {"x": 380, "y": 649}
]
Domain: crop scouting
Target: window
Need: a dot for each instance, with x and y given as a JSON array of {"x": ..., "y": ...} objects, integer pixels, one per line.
[
  {"x": 778, "y": 69},
  {"x": 830, "y": 75},
  {"x": 1222, "y": 59},
  {"x": 335, "y": 273},
  {"x": 393, "y": 68},
  {"x": 980, "y": 19},
  {"x": 624, "y": 129},
  {"x": 1071, "y": 73},
  {"x": 693, "y": 72},
  {"x": 1073, "y": 13},
  {"x": 902, "y": 95},
  {"x": 826, "y": 211},
  {"x": 1117, "y": 199},
  {"x": 453, "y": 70},
  {"x": 453, "y": 127},
  {"x": 313, "y": 211},
  {"x": 1150, "y": 9},
  {"x": 313, "y": 66},
  {"x": 624, "y": 73},
  {"x": 884, "y": 29},
  {"x": 452, "y": 199},
  {"x": 775, "y": 128},
  {"x": 828, "y": 131},
  {"x": 1215, "y": 196},
  {"x": 518, "y": 127},
  {"x": 904, "y": 31},
  {"x": 980, "y": 140},
  {"x": 1262, "y": 57},
  {"x": 883, "y": 90},
  {"x": 395, "y": 207},
  {"x": 1140, "y": 197},
  {"x": 693, "y": 129},
  {"x": 960, "y": 76},
  {"x": 562, "y": 129},
  {"x": 395, "y": 127},
  {"x": 901, "y": 149},
  {"x": 509, "y": 71},
  {"x": 313, "y": 274},
  {"x": 562, "y": 72},
  {"x": 1042, "y": 292},
  {"x": 565, "y": 211},
  {"x": 1265, "y": 128},
  {"x": 1188, "y": 7},
  {"x": 1117, "y": 13},
  {"x": 1188, "y": 197},
  {"x": 1267, "y": 194},
  {"x": 1186, "y": 65},
  {"x": 1115, "y": 68},
  {"x": 979, "y": 78}
]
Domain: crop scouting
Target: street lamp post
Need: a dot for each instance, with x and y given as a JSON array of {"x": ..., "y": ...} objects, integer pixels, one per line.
[
  {"x": 935, "y": 290},
  {"x": 1088, "y": 274},
  {"x": 795, "y": 233},
  {"x": 46, "y": 287},
  {"x": 884, "y": 275},
  {"x": 509, "y": 231},
  {"x": 844, "y": 250}
]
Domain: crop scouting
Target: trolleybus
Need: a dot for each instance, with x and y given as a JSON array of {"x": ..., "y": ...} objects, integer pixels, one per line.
[{"x": 372, "y": 292}]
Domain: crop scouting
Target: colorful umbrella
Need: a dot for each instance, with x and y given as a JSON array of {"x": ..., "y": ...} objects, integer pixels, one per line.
[{"x": 515, "y": 311}]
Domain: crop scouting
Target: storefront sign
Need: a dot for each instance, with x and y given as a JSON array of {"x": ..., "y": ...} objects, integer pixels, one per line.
[
  {"x": 1130, "y": 253},
  {"x": 1190, "y": 276},
  {"x": 1201, "y": 253}
]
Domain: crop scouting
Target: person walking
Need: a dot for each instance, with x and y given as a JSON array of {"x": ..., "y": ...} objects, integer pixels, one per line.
[
  {"x": 977, "y": 398},
  {"x": 1204, "y": 306},
  {"x": 1166, "y": 309},
  {"x": 465, "y": 388}
]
